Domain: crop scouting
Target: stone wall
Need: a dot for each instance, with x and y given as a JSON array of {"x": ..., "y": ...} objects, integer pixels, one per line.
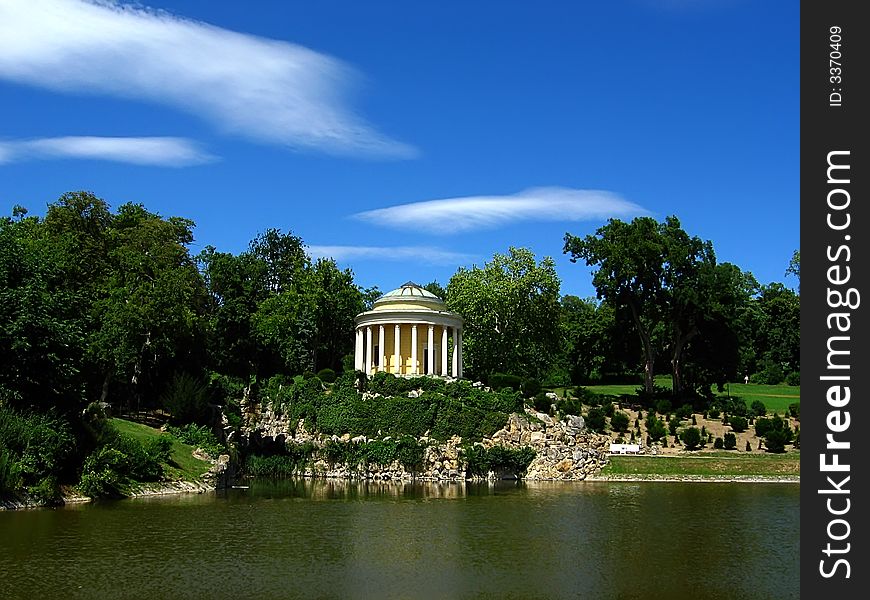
[{"x": 565, "y": 449}]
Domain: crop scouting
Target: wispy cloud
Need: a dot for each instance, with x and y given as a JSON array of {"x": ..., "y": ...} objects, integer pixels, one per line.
[
  {"x": 154, "y": 151},
  {"x": 261, "y": 89},
  {"x": 458, "y": 215},
  {"x": 424, "y": 254}
]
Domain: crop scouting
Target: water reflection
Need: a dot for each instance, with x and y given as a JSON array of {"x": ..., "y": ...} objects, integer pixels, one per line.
[{"x": 343, "y": 539}]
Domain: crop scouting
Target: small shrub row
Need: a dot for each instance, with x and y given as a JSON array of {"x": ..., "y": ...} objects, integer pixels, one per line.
[{"x": 500, "y": 460}]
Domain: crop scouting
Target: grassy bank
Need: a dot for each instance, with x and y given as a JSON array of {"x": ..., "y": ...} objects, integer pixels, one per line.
[
  {"x": 183, "y": 464},
  {"x": 714, "y": 465}
]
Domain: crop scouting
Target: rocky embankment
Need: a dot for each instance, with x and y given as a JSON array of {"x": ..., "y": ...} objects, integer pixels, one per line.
[{"x": 565, "y": 450}]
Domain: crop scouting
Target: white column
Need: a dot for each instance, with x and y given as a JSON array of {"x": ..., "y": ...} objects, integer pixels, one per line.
[
  {"x": 415, "y": 370},
  {"x": 430, "y": 349},
  {"x": 444, "y": 350},
  {"x": 454, "y": 367},
  {"x": 368, "y": 358},
  {"x": 381, "y": 355},
  {"x": 358, "y": 351},
  {"x": 459, "y": 349},
  {"x": 397, "y": 354}
]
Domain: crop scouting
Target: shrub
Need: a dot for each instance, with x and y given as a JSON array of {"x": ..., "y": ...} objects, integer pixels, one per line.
[
  {"x": 655, "y": 428},
  {"x": 103, "y": 474},
  {"x": 587, "y": 396},
  {"x": 10, "y": 472},
  {"x": 479, "y": 461},
  {"x": 542, "y": 403},
  {"x": 198, "y": 437},
  {"x": 713, "y": 413},
  {"x": 673, "y": 424},
  {"x": 326, "y": 375},
  {"x": 619, "y": 422},
  {"x": 748, "y": 446},
  {"x": 691, "y": 438},
  {"x": 595, "y": 420},
  {"x": 684, "y": 412},
  {"x": 794, "y": 410},
  {"x": 569, "y": 406},
  {"x": 738, "y": 424},
  {"x": 776, "y": 439},
  {"x": 758, "y": 408},
  {"x": 608, "y": 409},
  {"x": 730, "y": 441},
  {"x": 530, "y": 387},
  {"x": 737, "y": 406},
  {"x": 772, "y": 374},
  {"x": 664, "y": 406},
  {"x": 718, "y": 444},
  {"x": 500, "y": 381},
  {"x": 793, "y": 378},
  {"x": 186, "y": 398}
]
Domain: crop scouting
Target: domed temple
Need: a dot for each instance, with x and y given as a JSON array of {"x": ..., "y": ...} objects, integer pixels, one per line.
[{"x": 406, "y": 333}]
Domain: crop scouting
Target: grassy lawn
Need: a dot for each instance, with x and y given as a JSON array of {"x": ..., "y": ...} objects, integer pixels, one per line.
[
  {"x": 775, "y": 397},
  {"x": 715, "y": 464},
  {"x": 183, "y": 466}
]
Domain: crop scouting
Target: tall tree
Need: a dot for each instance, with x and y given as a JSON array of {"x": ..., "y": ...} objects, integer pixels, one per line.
[
  {"x": 658, "y": 274},
  {"x": 630, "y": 275},
  {"x": 511, "y": 312}
]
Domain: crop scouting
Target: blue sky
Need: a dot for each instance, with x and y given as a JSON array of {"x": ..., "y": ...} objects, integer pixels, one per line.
[{"x": 438, "y": 133}]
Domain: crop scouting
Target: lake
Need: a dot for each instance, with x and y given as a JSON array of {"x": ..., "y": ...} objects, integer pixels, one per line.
[{"x": 323, "y": 539}]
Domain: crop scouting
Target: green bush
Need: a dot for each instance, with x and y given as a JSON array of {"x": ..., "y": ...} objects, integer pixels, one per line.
[
  {"x": 684, "y": 412},
  {"x": 530, "y": 387},
  {"x": 737, "y": 406},
  {"x": 776, "y": 439},
  {"x": 326, "y": 375},
  {"x": 691, "y": 438},
  {"x": 673, "y": 424},
  {"x": 608, "y": 409},
  {"x": 758, "y": 408},
  {"x": 187, "y": 399},
  {"x": 664, "y": 406},
  {"x": 103, "y": 474},
  {"x": 738, "y": 424},
  {"x": 10, "y": 472},
  {"x": 500, "y": 381},
  {"x": 569, "y": 406},
  {"x": 655, "y": 427},
  {"x": 772, "y": 373},
  {"x": 713, "y": 413},
  {"x": 619, "y": 422},
  {"x": 479, "y": 461},
  {"x": 730, "y": 441},
  {"x": 595, "y": 420},
  {"x": 198, "y": 436},
  {"x": 718, "y": 444},
  {"x": 542, "y": 403},
  {"x": 794, "y": 410},
  {"x": 587, "y": 396},
  {"x": 793, "y": 378}
]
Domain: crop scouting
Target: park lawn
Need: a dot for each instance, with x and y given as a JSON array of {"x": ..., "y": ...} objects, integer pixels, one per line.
[
  {"x": 714, "y": 464},
  {"x": 775, "y": 397},
  {"x": 183, "y": 466}
]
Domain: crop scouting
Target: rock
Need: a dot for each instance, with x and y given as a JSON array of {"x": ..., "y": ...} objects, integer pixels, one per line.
[
  {"x": 564, "y": 465},
  {"x": 536, "y": 437},
  {"x": 414, "y": 394}
]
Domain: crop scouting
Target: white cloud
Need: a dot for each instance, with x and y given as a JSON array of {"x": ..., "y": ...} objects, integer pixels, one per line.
[
  {"x": 154, "y": 151},
  {"x": 424, "y": 254},
  {"x": 458, "y": 215},
  {"x": 261, "y": 89}
]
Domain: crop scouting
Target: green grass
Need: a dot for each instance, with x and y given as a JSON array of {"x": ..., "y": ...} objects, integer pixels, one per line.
[
  {"x": 714, "y": 464},
  {"x": 775, "y": 397},
  {"x": 184, "y": 465}
]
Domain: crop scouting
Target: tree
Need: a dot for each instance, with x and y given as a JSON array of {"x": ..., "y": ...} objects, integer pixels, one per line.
[
  {"x": 730, "y": 441},
  {"x": 593, "y": 343},
  {"x": 437, "y": 289},
  {"x": 691, "y": 438},
  {"x": 511, "y": 312},
  {"x": 794, "y": 267},
  {"x": 650, "y": 271},
  {"x": 619, "y": 422}
]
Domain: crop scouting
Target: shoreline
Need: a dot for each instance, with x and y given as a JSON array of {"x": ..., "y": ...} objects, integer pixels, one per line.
[{"x": 625, "y": 478}]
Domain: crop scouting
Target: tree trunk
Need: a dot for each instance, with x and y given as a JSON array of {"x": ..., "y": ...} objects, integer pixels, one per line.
[
  {"x": 680, "y": 342},
  {"x": 648, "y": 354}
]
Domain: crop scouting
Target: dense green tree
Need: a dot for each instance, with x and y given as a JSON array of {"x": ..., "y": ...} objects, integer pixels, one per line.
[
  {"x": 437, "y": 289},
  {"x": 511, "y": 312},
  {"x": 337, "y": 302},
  {"x": 691, "y": 438},
  {"x": 667, "y": 283},
  {"x": 42, "y": 337}
]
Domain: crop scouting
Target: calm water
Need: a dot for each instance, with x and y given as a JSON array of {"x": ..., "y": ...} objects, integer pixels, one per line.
[{"x": 348, "y": 540}]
